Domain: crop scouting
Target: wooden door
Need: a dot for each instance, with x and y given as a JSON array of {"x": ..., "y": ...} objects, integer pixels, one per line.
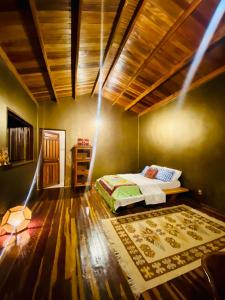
[{"x": 50, "y": 162}]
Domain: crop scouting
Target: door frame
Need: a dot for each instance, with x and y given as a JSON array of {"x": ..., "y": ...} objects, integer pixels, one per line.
[{"x": 40, "y": 181}]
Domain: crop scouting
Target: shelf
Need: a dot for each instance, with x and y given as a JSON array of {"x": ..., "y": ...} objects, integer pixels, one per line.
[
  {"x": 83, "y": 147},
  {"x": 82, "y": 184},
  {"x": 83, "y": 159},
  {"x": 80, "y": 172},
  {"x": 17, "y": 164}
]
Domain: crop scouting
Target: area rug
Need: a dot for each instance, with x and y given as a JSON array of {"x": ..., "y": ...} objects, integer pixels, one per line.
[{"x": 159, "y": 245}]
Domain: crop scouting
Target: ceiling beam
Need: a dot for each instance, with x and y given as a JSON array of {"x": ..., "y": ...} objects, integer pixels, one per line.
[
  {"x": 173, "y": 71},
  {"x": 76, "y": 9},
  {"x": 136, "y": 14},
  {"x": 115, "y": 26},
  {"x": 192, "y": 7},
  {"x": 194, "y": 85},
  {"x": 41, "y": 42},
  {"x": 13, "y": 70}
]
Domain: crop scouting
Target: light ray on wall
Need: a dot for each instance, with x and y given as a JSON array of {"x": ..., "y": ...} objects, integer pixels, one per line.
[
  {"x": 208, "y": 35},
  {"x": 34, "y": 180},
  {"x": 99, "y": 102}
]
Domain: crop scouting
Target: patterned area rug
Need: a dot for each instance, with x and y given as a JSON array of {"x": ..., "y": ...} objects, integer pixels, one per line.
[{"x": 156, "y": 246}]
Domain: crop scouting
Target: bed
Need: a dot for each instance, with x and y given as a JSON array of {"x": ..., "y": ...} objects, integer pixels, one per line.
[{"x": 125, "y": 189}]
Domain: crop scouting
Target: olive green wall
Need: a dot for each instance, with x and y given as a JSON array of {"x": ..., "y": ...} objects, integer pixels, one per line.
[
  {"x": 14, "y": 181},
  {"x": 191, "y": 139},
  {"x": 117, "y": 143}
]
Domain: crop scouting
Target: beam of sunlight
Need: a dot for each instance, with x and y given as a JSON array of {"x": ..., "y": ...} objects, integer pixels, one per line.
[
  {"x": 7, "y": 243},
  {"x": 208, "y": 35},
  {"x": 99, "y": 102},
  {"x": 34, "y": 178},
  {"x": 98, "y": 115}
]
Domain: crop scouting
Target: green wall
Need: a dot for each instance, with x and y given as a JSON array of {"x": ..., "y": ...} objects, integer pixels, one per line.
[
  {"x": 192, "y": 139},
  {"x": 118, "y": 135},
  {"x": 14, "y": 181}
]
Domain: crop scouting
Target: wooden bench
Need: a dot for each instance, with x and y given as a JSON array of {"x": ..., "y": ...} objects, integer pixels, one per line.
[
  {"x": 172, "y": 193},
  {"x": 175, "y": 191}
]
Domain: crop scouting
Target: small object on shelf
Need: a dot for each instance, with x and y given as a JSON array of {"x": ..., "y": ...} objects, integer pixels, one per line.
[
  {"x": 86, "y": 142},
  {"x": 82, "y": 142},
  {"x": 81, "y": 165},
  {"x": 79, "y": 141},
  {"x": 4, "y": 157}
]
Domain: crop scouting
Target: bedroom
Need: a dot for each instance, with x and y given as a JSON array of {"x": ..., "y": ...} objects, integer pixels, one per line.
[{"x": 53, "y": 74}]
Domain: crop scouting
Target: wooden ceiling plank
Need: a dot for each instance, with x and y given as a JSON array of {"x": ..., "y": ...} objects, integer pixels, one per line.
[
  {"x": 194, "y": 85},
  {"x": 13, "y": 70},
  {"x": 115, "y": 26},
  {"x": 136, "y": 14},
  {"x": 76, "y": 8},
  {"x": 193, "y": 6},
  {"x": 41, "y": 42},
  {"x": 173, "y": 71}
]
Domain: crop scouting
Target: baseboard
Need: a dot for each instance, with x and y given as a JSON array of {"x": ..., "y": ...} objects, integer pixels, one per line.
[
  {"x": 199, "y": 204},
  {"x": 62, "y": 187},
  {"x": 213, "y": 211}
]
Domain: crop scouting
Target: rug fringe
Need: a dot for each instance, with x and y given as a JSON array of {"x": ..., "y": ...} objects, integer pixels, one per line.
[
  {"x": 116, "y": 235},
  {"x": 124, "y": 266}
]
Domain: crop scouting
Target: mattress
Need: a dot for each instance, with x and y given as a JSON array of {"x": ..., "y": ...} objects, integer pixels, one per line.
[{"x": 139, "y": 178}]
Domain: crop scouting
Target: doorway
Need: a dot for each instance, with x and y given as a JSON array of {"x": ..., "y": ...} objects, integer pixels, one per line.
[{"x": 52, "y": 173}]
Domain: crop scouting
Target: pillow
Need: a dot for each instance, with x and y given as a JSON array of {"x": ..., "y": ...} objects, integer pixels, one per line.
[
  {"x": 156, "y": 167},
  {"x": 151, "y": 173},
  {"x": 164, "y": 174},
  {"x": 144, "y": 170},
  {"x": 177, "y": 173}
]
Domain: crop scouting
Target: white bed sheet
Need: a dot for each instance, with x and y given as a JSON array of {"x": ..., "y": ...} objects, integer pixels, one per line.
[
  {"x": 164, "y": 185},
  {"x": 142, "y": 180}
]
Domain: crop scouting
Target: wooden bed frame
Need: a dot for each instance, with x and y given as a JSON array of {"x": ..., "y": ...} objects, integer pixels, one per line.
[
  {"x": 175, "y": 191},
  {"x": 172, "y": 193}
]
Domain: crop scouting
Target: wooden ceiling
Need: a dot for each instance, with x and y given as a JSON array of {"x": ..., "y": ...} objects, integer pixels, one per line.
[{"x": 53, "y": 47}]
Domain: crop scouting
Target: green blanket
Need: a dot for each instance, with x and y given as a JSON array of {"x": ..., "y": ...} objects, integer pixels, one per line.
[
  {"x": 120, "y": 193},
  {"x": 114, "y": 181}
]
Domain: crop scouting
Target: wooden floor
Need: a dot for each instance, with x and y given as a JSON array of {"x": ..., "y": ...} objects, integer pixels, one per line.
[{"x": 65, "y": 255}]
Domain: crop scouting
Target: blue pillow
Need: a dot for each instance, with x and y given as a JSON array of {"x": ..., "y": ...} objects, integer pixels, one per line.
[
  {"x": 164, "y": 174},
  {"x": 144, "y": 170}
]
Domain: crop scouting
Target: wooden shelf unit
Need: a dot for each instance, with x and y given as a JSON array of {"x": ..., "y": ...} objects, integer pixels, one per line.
[{"x": 81, "y": 156}]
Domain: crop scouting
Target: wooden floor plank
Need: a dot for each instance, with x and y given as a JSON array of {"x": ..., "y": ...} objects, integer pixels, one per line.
[{"x": 67, "y": 255}]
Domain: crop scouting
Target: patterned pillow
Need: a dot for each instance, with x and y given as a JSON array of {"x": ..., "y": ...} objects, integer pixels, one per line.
[
  {"x": 151, "y": 173},
  {"x": 176, "y": 175},
  {"x": 164, "y": 174},
  {"x": 144, "y": 170}
]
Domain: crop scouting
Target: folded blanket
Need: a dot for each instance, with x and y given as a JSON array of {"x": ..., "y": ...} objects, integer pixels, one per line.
[
  {"x": 124, "y": 189},
  {"x": 151, "y": 192},
  {"x": 112, "y": 182}
]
